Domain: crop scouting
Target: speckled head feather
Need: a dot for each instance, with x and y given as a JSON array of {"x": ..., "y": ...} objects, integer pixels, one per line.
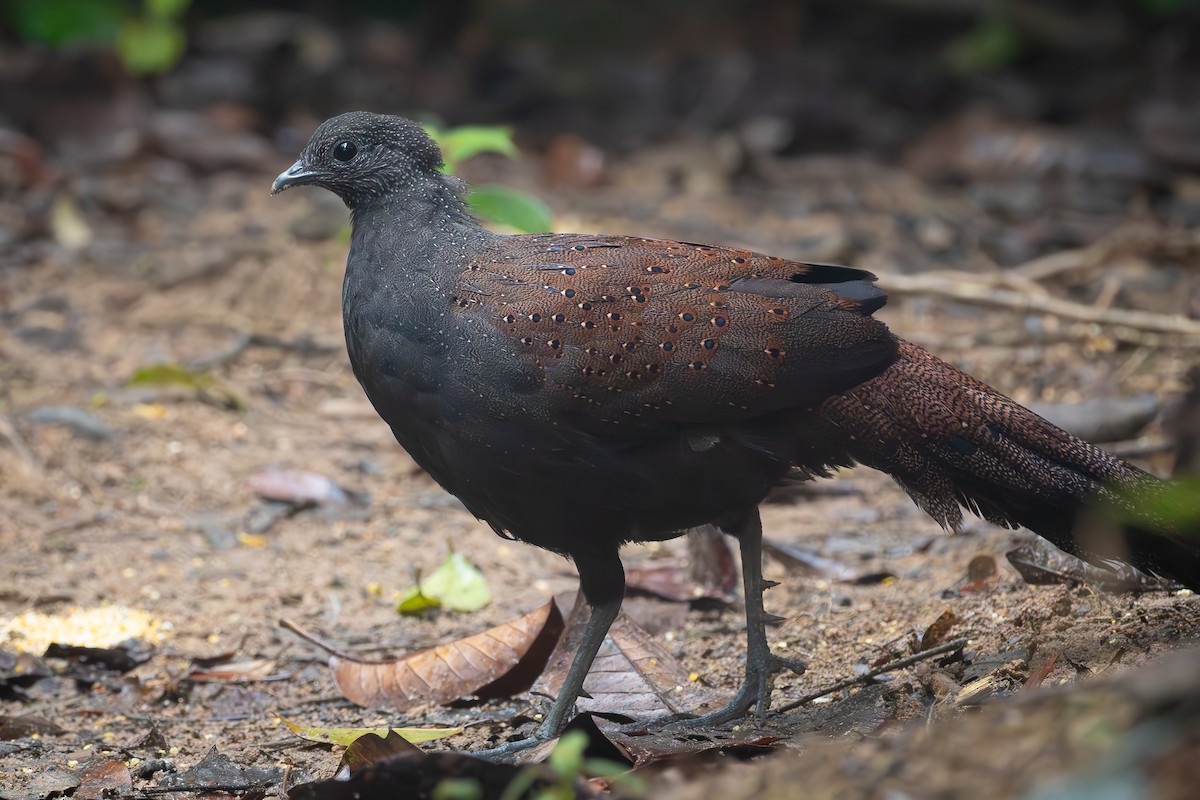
[{"x": 362, "y": 157}]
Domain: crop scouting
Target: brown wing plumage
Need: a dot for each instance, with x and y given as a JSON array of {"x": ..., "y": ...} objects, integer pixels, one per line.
[{"x": 627, "y": 327}]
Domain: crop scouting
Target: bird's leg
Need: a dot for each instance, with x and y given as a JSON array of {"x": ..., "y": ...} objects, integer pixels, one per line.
[
  {"x": 602, "y": 580},
  {"x": 761, "y": 663}
]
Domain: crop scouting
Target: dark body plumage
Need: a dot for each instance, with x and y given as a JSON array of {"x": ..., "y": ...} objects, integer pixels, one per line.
[{"x": 578, "y": 392}]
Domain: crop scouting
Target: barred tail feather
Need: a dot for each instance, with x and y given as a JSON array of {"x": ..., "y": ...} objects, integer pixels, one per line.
[{"x": 952, "y": 442}]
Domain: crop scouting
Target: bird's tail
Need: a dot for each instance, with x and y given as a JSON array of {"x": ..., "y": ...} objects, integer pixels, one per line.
[{"x": 952, "y": 441}]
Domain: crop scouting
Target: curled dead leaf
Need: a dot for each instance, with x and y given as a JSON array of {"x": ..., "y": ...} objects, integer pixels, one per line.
[{"x": 498, "y": 662}]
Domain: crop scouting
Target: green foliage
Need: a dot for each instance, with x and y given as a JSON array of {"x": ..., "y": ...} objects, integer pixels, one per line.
[
  {"x": 459, "y": 144},
  {"x": 511, "y": 207},
  {"x": 149, "y": 40},
  {"x": 567, "y": 765},
  {"x": 992, "y": 43},
  {"x": 497, "y": 204},
  {"x": 150, "y": 46},
  {"x": 66, "y": 21},
  {"x": 458, "y": 789},
  {"x": 1174, "y": 505}
]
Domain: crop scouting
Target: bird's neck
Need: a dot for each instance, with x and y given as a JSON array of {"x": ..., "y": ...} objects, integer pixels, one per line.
[
  {"x": 428, "y": 201},
  {"x": 426, "y": 227}
]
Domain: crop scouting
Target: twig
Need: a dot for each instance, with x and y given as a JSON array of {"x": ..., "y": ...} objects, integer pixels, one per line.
[
  {"x": 226, "y": 787},
  {"x": 971, "y": 288},
  {"x": 866, "y": 677},
  {"x": 1018, "y": 337},
  {"x": 1054, "y": 264},
  {"x": 315, "y": 640}
]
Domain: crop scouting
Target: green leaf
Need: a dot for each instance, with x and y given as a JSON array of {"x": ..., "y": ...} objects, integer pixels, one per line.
[
  {"x": 166, "y": 9},
  {"x": 1175, "y": 504},
  {"x": 458, "y": 789},
  {"x": 149, "y": 46},
  {"x": 505, "y": 206},
  {"x": 414, "y": 602},
  {"x": 459, "y": 144},
  {"x": 992, "y": 43},
  {"x": 171, "y": 375},
  {"x": 204, "y": 385},
  {"x": 457, "y": 585},
  {"x": 566, "y": 759},
  {"x": 62, "y": 22}
]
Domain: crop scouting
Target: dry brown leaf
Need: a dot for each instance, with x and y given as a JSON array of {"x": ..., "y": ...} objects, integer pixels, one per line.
[
  {"x": 632, "y": 674},
  {"x": 497, "y": 662},
  {"x": 372, "y": 748},
  {"x": 104, "y": 779},
  {"x": 13, "y": 727},
  {"x": 936, "y": 633},
  {"x": 710, "y": 579}
]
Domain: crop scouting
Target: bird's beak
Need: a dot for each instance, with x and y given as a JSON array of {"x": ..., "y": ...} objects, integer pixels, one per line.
[{"x": 297, "y": 174}]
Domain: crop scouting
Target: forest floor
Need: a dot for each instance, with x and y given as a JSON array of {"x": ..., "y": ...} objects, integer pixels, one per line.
[{"x": 138, "y": 498}]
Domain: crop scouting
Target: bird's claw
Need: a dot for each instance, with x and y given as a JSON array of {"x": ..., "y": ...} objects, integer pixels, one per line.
[
  {"x": 511, "y": 751},
  {"x": 754, "y": 694}
]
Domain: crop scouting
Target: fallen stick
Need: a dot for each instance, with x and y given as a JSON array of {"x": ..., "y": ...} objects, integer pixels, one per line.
[
  {"x": 971, "y": 288},
  {"x": 866, "y": 677}
]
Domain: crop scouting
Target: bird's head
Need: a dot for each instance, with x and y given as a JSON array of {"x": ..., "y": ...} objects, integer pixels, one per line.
[{"x": 360, "y": 157}]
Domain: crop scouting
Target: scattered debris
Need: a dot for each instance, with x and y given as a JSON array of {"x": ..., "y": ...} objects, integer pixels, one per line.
[
  {"x": 951, "y": 648},
  {"x": 216, "y": 772}
]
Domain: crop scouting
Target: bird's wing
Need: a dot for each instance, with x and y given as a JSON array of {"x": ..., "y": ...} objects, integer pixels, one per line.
[{"x": 626, "y": 327}]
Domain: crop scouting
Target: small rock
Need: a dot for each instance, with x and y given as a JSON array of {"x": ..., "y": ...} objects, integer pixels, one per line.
[{"x": 297, "y": 488}]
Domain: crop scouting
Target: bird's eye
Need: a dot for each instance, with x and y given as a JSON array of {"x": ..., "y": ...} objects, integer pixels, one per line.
[{"x": 345, "y": 150}]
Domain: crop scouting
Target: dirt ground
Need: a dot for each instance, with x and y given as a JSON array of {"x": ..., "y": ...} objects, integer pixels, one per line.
[{"x": 154, "y": 511}]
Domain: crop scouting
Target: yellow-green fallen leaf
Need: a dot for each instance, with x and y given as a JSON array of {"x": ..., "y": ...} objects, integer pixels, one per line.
[
  {"x": 67, "y": 224},
  {"x": 201, "y": 383},
  {"x": 414, "y": 601},
  {"x": 345, "y": 736},
  {"x": 456, "y": 584}
]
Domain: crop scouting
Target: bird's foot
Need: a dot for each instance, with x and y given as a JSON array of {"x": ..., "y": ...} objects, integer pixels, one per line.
[
  {"x": 755, "y": 693},
  {"x": 511, "y": 751}
]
